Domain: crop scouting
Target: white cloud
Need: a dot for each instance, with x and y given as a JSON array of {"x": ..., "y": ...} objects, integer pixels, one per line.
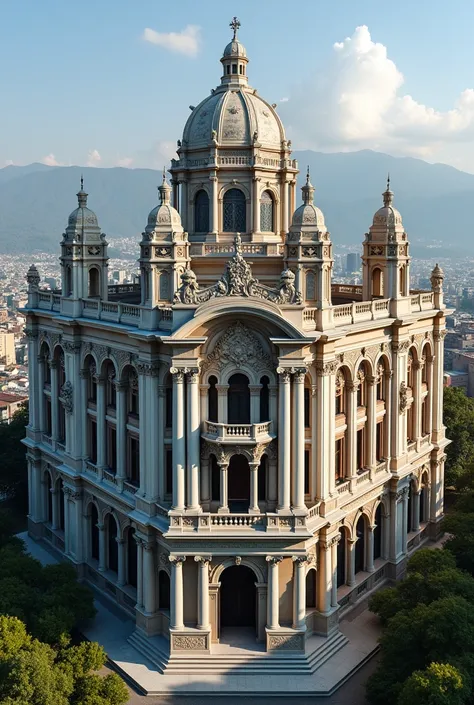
[
  {"x": 355, "y": 102},
  {"x": 125, "y": 162},
  {"x": 284, "y": 100},
  {"x": 93, "y": 158},
  {"x": 50, "y": 160},
  {"x": 186, "y": 42}
]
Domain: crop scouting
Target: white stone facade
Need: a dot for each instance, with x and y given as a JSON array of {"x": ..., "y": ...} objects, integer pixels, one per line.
[{"x": 236, "y": 441}]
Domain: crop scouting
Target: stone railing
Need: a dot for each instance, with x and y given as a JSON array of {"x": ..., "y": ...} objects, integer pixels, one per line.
[
  {"x": 118, "y": 312},
  {"x": 363, "y": 477},
  {"x": 90, "y": 467},
  {"x": 49, "y": 301},
  {"x": 422, "y": 301},
  {"x": 346, "y": 314},
  {"x": 130, "y": 487},
  {"x": 229, "y": 522},
  {"x": 347, "y": 291},
  {"x": 237, "y": 433},
  {"x": 114, "y": 289}
]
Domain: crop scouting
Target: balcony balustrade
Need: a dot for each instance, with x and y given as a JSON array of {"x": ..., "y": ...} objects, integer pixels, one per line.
[{"x": 237, "y": 433}]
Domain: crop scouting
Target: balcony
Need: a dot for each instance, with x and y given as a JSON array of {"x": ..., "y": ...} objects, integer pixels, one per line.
[{"x": 238, "y": 433}]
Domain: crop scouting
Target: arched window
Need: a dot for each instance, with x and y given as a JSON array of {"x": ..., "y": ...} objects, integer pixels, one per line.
[
  {"x": 264, "y": 400},
  {"x": 164, "y": 286},
  {"x": 360, "y": 545},
  {"x": 131, "y": 558},
  {"x": 235, "y": 220},
  {"x": 377, "y": 282},
  {"x": 201, "y": 212},
  {"x": 94, "y": 282},
  {"x": 68, "y": 281},
  {"x": 238, "y": 399},
  {"x": 310, "y": 286},
  {"x": 212, "y": 399},
  {"x": 163, "y": 590},
  {"x": 111, "y": 528},
  {"x": 94, "y": 520},
  {"x": 266, "y": 212},
  {"x": 311, "y": 589}
]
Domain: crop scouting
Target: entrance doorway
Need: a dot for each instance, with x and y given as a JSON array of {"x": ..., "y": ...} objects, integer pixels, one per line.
[
  {"x": 238, "y": 597},
  {"x": 239, "y": 484}
]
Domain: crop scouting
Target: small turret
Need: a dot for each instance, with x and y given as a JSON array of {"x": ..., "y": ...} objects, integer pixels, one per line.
[
  {"x": 33, "y": 279},
  {"x": 437, "y": 279}
]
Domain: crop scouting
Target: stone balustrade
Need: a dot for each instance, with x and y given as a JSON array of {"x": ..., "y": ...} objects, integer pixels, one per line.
[{"x": 244, "y": 434}]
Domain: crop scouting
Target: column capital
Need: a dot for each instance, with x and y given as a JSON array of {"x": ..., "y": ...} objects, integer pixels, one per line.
[
  {"x": 284, "y": 374},
  {"x": 300, "y": 560},
  {"x": 177, "y": 560},
  {"x": 274, "y": 560},
  {"x": 192, "y": 375},
  {"x": 222, "y": 388},
  {"x": 120, "y": 541},
  {"x": 177, "y": 374},
  {"x": 203, "y": 559},
  {"x": 148, "y": 545},
  {"x": 352, "y": 386},
  {"x": 120, "y": 386},
  {"x": 299, "y": 374},
  {"x": 326, "y": 367}
]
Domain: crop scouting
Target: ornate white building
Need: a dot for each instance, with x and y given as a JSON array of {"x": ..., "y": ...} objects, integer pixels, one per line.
[{"x": 235, "y": 442}]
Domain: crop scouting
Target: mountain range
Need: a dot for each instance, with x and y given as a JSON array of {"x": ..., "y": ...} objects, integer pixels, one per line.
[{"x": 435, "y": 200}]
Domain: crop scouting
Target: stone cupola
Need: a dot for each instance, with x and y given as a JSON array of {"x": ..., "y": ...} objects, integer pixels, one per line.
[
  {"x": 164, "y": 251},
  {"x": 84, "y": 254},
  {"x": 385, "y": 259},
  {"x": 309, "y": 255}
]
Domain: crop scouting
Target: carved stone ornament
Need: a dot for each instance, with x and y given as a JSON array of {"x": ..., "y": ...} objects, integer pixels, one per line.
[
  {"x": 190, "y": 643},
  {"x": 238, "y": 280},
  {"x": 287, "y": 642},
  {"x": 326, "y": 368},
  {"x": 33, "y": 278},
  {"x": 66, "y": 397},
  {"x": 403, "y": 397},
  {"x": 238, "y": 346}
]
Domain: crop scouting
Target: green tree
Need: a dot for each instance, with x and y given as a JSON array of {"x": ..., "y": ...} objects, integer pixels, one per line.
[
  {"x": 439, "y": 684},
  {"x": 460, "y": 543},
  {"x": 13, "y": 475},
  {"x": 458, "y": 417},
  {"x": 441, "y": 631}
]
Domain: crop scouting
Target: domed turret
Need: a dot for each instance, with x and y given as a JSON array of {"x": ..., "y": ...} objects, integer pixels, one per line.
[
  {"x": 385, "y": 268},
  {"x": 83, "y": 254},
  {"x": 308, "y": 214},
  {"x": 164, "y": 251}
]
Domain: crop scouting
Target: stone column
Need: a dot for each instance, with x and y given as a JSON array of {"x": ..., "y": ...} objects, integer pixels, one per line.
[
  {"x": 84, "y": 375},
  {"x": 256, "y": 204},
  {"x": 160, "y": 441},
  {"x": 149, "y": 578},
  {"x": 429, "y": 398},
  {"x": 155, "y": 429},
  {"x": 54, "y": 505},
  {"x": 176, "y": 611},
  {"x": 67, "y": 530},
  {"x": 203, "y": 621},
  {"x": 255, "y": 403},
  {"x": 351, "y": 543},
  {"x": 121, "y": 432},
  {"x": 41, "y": 415},
  {"x": 139, "y": 542},
  {"x": 417, "y": 366},
  {"x": 285, "y": 207},
  {"x": 273, "y": 600},
  {"x": 214, "y": 210},
  {"x": 388, "y": 414},
  {"x": 334, "y": 541},
  {"x": 273, "y": 407},
  {"x": 184, "y": 205},
  {"x": 178, "y": 440},
  {"x": 33, "y": 374},
  {"x": 351, "y": 434},
  {"x": 193, "y": 438},
  {"x": 100, "y": 424},
  {"x": 284, "y": 441},
  {"x": 102, "y": 547},
  {"x": 370, "y": 549},
  {"x": 324, "y": 429},
  {"x": 298, "y": 410},
  {"x": 222, "y": 402},
  {"x": 121, "y": 576},
  {"x": 78, "y": 506},
  {"x": 324, "y": 576},
  {"x": 254, "y": 508},
  {"x": 371, "y": 422},
  {"x": 54, "y": 400},
  {"x": 299, "y": 592},
  {"x": 224, "y": 501},
  {"x": 142, "y": 415}
]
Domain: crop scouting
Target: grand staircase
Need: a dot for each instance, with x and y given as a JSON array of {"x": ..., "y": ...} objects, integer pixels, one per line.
[{"x": 252, "y": 661}]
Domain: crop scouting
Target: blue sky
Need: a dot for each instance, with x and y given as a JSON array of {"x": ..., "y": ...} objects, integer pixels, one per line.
[{"x": 79, "y": 82}]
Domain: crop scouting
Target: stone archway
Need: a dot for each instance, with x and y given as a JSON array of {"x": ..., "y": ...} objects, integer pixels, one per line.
[{"x": 238, "y": 599}]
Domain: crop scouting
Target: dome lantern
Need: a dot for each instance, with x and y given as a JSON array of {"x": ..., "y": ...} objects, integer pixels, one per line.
[{"x": 234, "y": 59}]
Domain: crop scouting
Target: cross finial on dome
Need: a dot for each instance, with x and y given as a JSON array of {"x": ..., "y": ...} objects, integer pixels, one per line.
[
  {"x": 82, "y": 195},
  {"x": 308, "y": 189},
  {"x": 307, "y": 174},
  {"x": 388, "y": 195},
  {"x": 165, "y": 190},
  {"x": 235, "y": 26}
]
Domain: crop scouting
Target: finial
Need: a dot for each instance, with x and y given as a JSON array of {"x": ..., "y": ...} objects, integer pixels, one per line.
[
  {"x": 238, "y": 244},
  {"x": 307, "y": 175},
  {"x": 387, "y": 194},
  {"x": 388, "y": 181},
  {"x": 82, "y": 195},
  {"x": 82, "y": 182},
  {"x": 234, "y": 25},
  {"x": 164, "y": 174}
]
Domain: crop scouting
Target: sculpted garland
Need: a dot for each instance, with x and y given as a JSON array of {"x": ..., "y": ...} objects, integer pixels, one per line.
[{"x": 237, "y": 280}]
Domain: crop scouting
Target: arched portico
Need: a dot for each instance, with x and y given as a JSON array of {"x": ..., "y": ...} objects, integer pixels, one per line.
[{"x": 240, "y": 606}]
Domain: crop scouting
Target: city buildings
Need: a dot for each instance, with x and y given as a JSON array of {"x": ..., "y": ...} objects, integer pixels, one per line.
[
  {"x": 7, "y": 348},
  {"x": 235, "y": 442}
]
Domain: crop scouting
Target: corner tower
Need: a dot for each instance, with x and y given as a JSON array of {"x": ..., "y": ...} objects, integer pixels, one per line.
[{"x": 385, "y": 259}]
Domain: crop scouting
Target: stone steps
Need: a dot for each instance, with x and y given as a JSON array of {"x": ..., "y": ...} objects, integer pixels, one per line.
[{"x": 254, "y": 663}]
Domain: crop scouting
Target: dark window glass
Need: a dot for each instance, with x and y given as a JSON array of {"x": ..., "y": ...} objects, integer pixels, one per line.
[
  {"x": 339, "y": 467},
  {"x": 93, "y": 441},
  {"x": 307, "y": 401},
  {"x": 201, "y": 212},
  {"x": 360, "y": 546},
  {"x": 169, "y": 407},
  {"x": 264, "y": 400},
  {"x": 266, "y": 212},
  {"x": 238, "y": 399},
  {"x": 215, "y": 479},
  {"x": 212, "y": 399},
  {"x": 341, "y": 560},
  {"x": 311, "y": 589},
  {"x": 262, "y": 479},
  {"x": 169, "y": 471},
  {"x": 94, "y": 533},
  {"x": 378, "y": 533},
  {"x": 234, "y": 211},
  {"x": 112, "y": 543},
  {"x": 163, "y": 590},
  {"x": 131, "y": 558},
  {"x": 360, "y": 449},
  {"x": 307, "y": 456},
  {"x": 134, "y": 468}
]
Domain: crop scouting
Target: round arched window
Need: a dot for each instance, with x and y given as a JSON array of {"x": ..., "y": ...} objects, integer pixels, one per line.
[
  {"x": 266, "y": 212},
  {"x": 201, "y": 212},
  {"x": 234, "y": 211}
]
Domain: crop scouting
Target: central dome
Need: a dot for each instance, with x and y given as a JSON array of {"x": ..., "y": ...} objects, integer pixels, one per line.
[{"x": 233, "y": 117}]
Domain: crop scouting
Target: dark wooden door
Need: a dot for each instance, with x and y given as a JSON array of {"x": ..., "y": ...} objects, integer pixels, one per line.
[{"x": 237, "y": 597}]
